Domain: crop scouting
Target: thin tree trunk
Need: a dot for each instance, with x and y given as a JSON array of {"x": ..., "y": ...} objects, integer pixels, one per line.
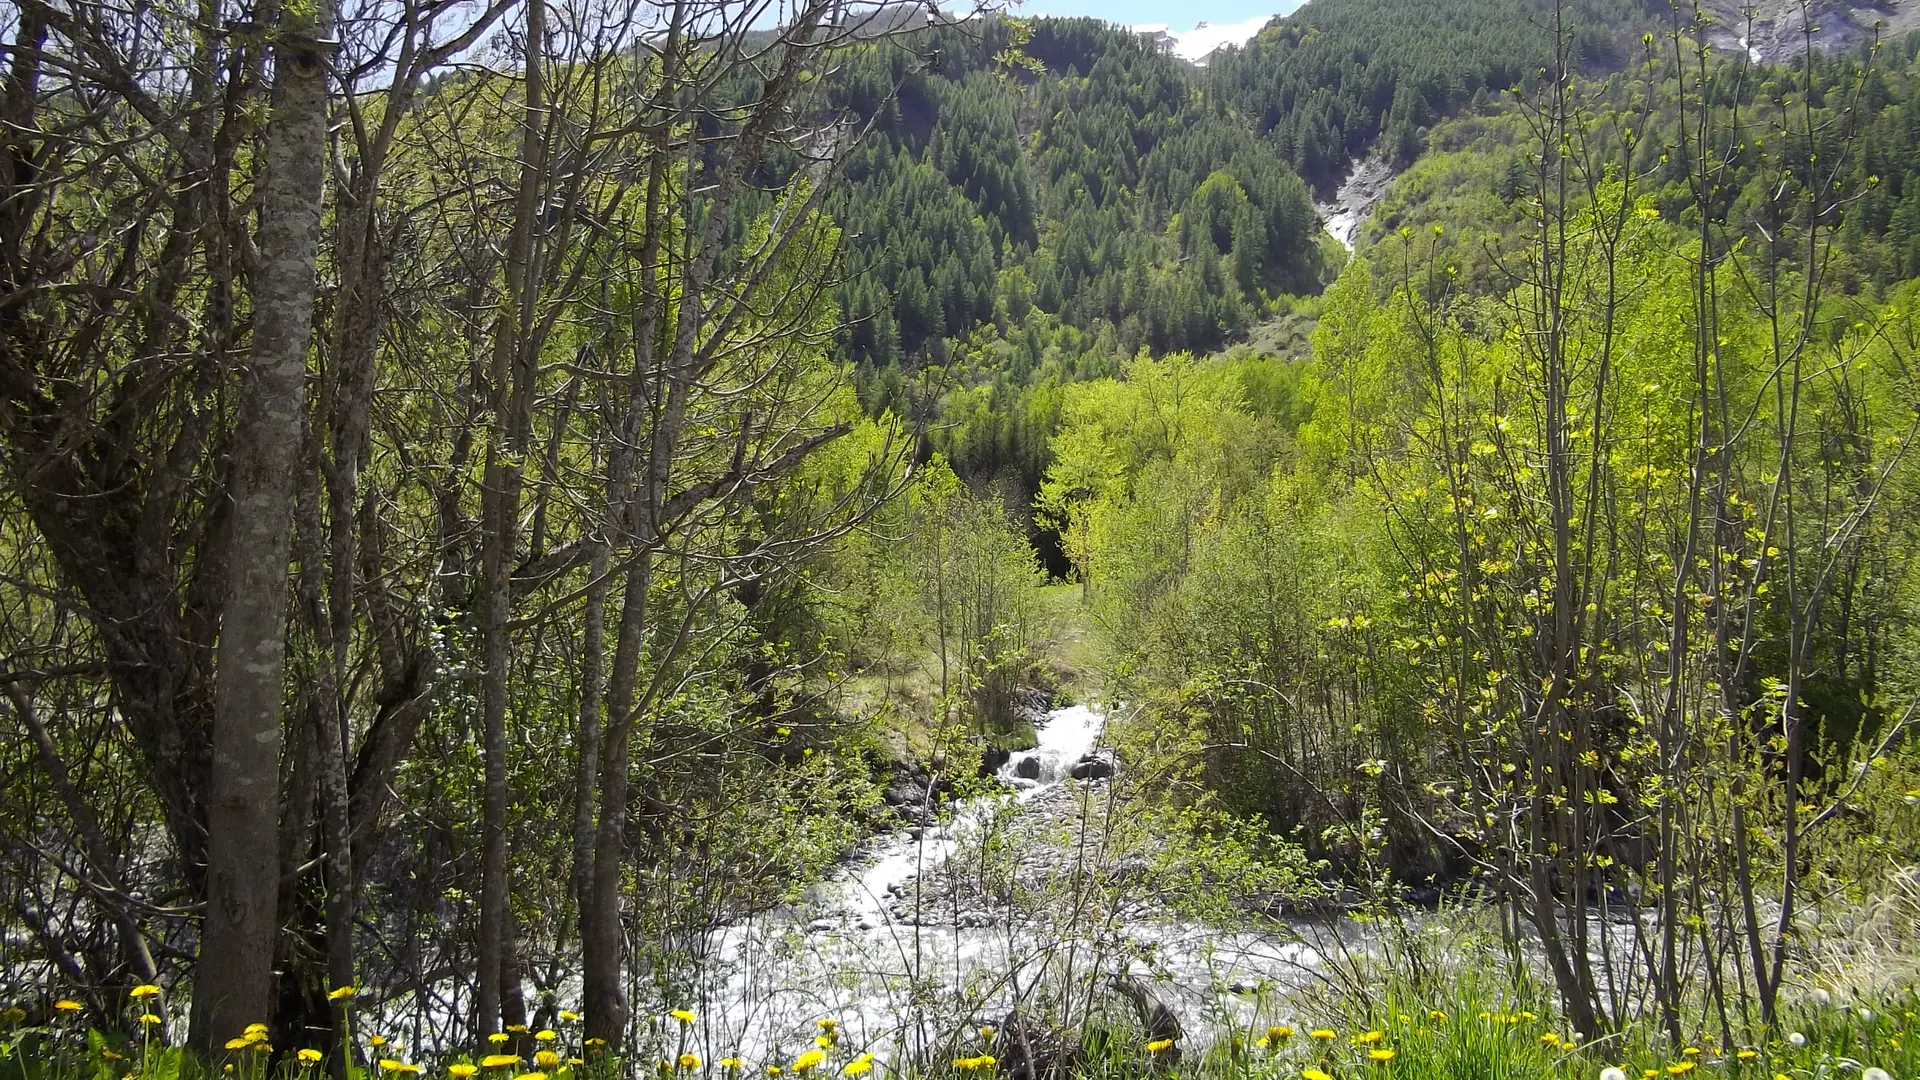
[
  {"x": 512, "y": 397},
  {"x": 604, "y": 992},
  {"x": 592, "y": 662},
  {"x": 235, "y": 975}
]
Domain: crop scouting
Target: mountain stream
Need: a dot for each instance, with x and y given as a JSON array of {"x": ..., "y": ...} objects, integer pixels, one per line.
[{"x": 853, "y": 950}]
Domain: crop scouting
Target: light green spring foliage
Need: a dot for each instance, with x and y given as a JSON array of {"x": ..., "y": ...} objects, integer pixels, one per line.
[{"x": 1353, "y": 611}]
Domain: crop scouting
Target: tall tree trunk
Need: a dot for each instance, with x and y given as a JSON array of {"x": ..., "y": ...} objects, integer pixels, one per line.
[
  {"x": 235, "y": 973},
  {"x": 512, "y": 379},
  {"x": 604, "y": 947}
]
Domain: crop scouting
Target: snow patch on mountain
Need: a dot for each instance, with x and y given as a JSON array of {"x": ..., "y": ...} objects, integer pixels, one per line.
[{"x": 1205, "y": 38}]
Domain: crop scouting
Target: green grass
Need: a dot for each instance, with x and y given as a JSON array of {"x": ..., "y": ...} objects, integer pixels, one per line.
[{"x": 1469, "y": 1036}]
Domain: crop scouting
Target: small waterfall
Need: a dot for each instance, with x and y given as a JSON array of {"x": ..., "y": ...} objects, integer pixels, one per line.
[
  {"x": 1354, "y": 202},
  {"x": 1068, "y": 735}
]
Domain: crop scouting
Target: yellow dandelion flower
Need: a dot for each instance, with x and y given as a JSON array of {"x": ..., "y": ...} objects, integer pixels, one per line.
[
  {"x": 1680, "y": 1068},
  {"x": 341, "y": 993},
  {"x": 824, "y": 1042},
  {"x": 1747, "y": 1055},
  {"x": 773, "y": 1070},
  {"x": 1323, "y": 1034},
  {"x": 462, "y": 1071},
  {"x": 731, "y": 1063},
  {"x": 547, "y": 1059},
  {"x": 576, "y": 1061},
  {"x": 685, "y": 1016},
  {"x": 826, "y": 1023},
  {"x": 144, "y": 990},
  {"x": 531, "y": 1076},
  {"x": 689, "y": 1061},
  {"x": 568, "y": 1016},
  {"x": 1369, "y": 1038},
  {"x": 67, "y": 1005},
  {"x": 109, "y": 1055},
  {"x": 255, "y": 1029},
  {"x": 596, "y": 1042},
  {"x": 239, "y": 1044},
  {"x": 1380, "y": 1053},
  {"x": 1279, "y": 1033},
  {"x": 149, "y": 1018},
  {"x": 986, "y": 1034},
  {"x": 859, "y": 1066},
  {"x": 497, "y": 1038},
  {"x": 1158, "y": 1045},
  {"x": 1437, "y": 1016},
  {"x": 1691, "y": 1051},
  {"x": 1311, "y": 1073},
  {"x": 1528, "y": 1017},
  {"x": 1551, "y": 1038},
  {"x": 388, "y": 1065},
  {"x": 809, "y": 1060},
  {"x": 499, "y": 1061},
  {"x": 377, "y": 1041},
  {"x": 310, "y": 1056},
  {"x": 546, "y": 1035}
]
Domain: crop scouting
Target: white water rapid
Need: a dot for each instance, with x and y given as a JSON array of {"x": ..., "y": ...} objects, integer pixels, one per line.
[
  {"x": 1353, "y": 203},
  {"x": 896, "y": 986}
]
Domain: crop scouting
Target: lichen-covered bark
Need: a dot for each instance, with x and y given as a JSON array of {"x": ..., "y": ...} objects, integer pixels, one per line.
[{"x": 234, "y": 980}]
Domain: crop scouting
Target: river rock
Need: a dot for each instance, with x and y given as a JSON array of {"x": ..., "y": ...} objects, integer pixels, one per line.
[
  {"x": 909, "y": 791},
  {"x": 992, "y": 758},
  {"x": 1031, "y": 703},
  {"x": 1094, "y": 766},
  {"x": 1027, "y": 768}
]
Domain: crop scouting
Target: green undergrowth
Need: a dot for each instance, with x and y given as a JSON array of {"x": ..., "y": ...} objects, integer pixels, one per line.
[{"x": 1392, "y": 1035}]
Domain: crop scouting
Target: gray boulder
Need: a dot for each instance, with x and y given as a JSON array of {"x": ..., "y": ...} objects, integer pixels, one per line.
[{"x": 1092, "y": 767}]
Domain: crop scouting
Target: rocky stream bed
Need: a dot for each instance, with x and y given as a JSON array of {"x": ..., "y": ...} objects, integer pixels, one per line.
[{"x": 937, "y": 927}]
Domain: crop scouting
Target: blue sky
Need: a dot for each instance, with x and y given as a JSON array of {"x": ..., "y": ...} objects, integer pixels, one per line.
[{"x": 1180, "y": 14}]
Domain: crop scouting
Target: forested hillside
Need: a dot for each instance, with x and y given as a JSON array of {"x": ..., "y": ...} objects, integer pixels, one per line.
[
  {"x": 1344, "y": 77},
  {"x": 1037, "y": 202},
  {"x": 1863, "y": 108}
]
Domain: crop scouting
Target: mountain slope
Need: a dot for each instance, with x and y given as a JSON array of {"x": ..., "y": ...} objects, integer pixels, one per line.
[
  {"x": 1773, "y": 30},
  {"x": 1338, "y": 76},
  {"x": 1095, "y": 189}
]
